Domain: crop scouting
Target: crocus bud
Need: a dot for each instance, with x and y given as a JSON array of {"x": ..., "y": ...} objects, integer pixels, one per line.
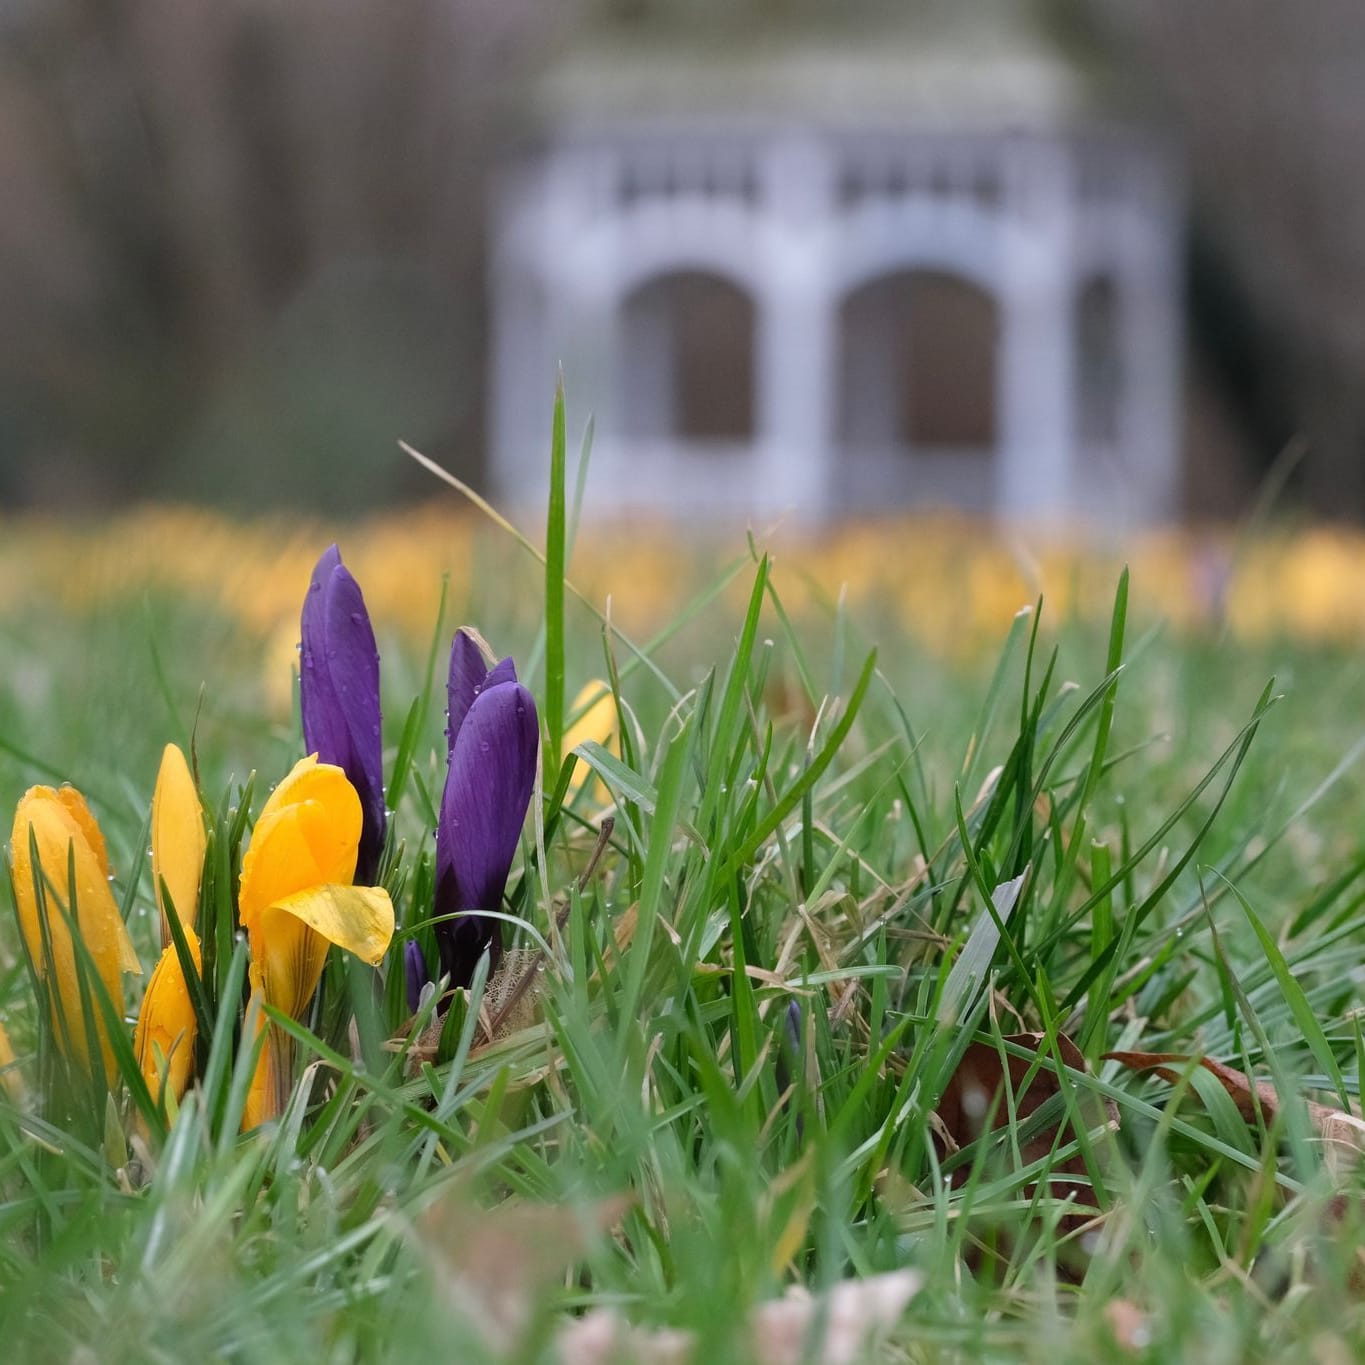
[
  {"x": 596, "y": 723},
  {"x": 178, "y": 840},
  {"x": 494, "y": 746},
  {"x": 74, "y": 881},
  {"x": 415, "y": 974},
  {"x": 163, "y": 1041},
  {"x": 339, "y": 696},
  {"x": 11, "y": 1078}
]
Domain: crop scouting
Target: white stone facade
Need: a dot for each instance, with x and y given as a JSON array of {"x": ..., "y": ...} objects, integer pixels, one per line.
[{"x": 1066, "y": 245}]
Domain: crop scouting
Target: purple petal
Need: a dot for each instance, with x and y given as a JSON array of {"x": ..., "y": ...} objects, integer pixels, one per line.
[
  {"x": 415, "y": 973},
  {"x": 469, "y": 676},
  {"x": 488, "y": 787},
  {"x": 339, "y": 695}
]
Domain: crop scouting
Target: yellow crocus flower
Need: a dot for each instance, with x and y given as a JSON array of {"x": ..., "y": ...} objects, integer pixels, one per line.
[
  {"x": 296, "y": 899},
  {"x": 178, "y": 839},
  {"x": 166, "y": 1027},
  {"x": 69, "y": 841},
  {"x": 598, "y": 723},
  {"x": 11, "y": 1078}
]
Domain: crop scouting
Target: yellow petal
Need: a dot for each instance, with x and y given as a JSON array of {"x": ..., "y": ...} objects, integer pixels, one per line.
[
  {"x": 68, "y": 840},
  {"x": 597, "y": 723},
  {"x": 265, "y": 1096},
  {"x": 356, "y": 918},
  {"x": 295, "y": 779},
  {"x": 308, "y": 835},
  {"x": 295, "y": 900},
  {"x": 289, "y": 945},
  {"x": 178, "y": 840},
  {"x": 10, "y": 1076},
  {"x": 89, "y": 826},
  {"x": 166, "y": 1026}
]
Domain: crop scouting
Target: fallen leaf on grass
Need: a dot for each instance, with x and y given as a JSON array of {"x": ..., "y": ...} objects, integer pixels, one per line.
[
  {"x": 979, "y": 1082},
  {"x": 1343, "y": 1134},
  {"x": 977, "y": 1092}
]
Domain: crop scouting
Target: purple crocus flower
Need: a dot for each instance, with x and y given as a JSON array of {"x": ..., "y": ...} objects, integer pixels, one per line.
[
  {"x": 415, "y": 974},
  {"x": 339, "y": 695},
  {"x": 494, "y": 739}
]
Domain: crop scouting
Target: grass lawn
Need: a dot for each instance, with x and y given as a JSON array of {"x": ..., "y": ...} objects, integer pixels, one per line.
[{"x": 822, "y": 966}]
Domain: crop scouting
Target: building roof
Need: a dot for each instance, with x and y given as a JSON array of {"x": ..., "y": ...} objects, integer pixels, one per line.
[{"x": 974, "y": 61}]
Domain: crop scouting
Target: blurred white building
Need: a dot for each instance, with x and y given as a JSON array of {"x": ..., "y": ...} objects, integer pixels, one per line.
[{"x": 932, "y": 264}]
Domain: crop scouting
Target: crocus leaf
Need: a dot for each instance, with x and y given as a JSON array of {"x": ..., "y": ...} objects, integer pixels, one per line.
[{"x": 178, "y": 839}]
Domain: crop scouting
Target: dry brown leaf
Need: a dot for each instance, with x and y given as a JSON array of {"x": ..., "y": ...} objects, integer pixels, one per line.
[
  {"x": 1343, "y": 1134},
  {"x": 978, "y": 1083}
]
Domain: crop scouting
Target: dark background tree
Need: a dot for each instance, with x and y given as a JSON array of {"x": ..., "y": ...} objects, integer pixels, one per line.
[
  {"x": 242, "y": 244},
  {"x": 1269, "y": 100}
]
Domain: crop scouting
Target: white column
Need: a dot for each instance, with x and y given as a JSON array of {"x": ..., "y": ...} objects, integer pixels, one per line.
[
  {"x": 517, "y": 320},
  {"x": 1035, "y": 471},
  {"x": 794, "y": 334},
  {"x": 1149, "y": 301},
  {"x": 577, "y": 247}
]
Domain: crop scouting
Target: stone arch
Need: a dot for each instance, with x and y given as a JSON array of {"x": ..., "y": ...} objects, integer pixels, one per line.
[
  {"x": 686, "y": 369},
  {"x": 637, "y": 245},
  {"x": 889, "y": 238},
  {"x": 919, "y": 365}
]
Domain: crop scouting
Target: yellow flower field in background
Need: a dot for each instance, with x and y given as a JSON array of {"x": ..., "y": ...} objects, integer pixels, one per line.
[{"x": 948, "y": 581}]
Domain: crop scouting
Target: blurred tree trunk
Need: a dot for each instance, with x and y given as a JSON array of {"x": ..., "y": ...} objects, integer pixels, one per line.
[
  {"x": 215, "y": 205},
  {"x": 1270, "y": 99}
]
